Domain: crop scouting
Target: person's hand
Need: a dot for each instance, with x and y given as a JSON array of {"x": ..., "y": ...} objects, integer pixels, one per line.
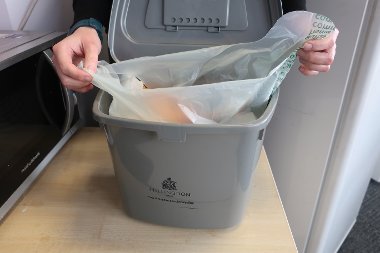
[
  {"x": 317, "y": 55},
  {"x": 84, "y": 44}
]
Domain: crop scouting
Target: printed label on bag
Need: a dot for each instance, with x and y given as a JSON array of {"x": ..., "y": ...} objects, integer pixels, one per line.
[{"x": 322, "y": 26}]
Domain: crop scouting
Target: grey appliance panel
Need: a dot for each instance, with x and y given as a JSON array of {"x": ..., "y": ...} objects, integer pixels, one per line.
[{"x": 17, "y": 46}]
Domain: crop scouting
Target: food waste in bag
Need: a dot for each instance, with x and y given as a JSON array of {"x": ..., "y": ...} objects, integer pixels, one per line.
[{"x": 229, "y": 84}]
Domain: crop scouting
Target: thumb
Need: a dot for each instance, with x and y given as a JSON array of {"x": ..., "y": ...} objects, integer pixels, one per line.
[
  {"x": 91, "y": 58},
  {"x": 322, "y": 44}
]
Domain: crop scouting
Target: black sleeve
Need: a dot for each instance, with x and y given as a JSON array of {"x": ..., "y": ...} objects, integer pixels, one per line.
[
  {"x": 293, "y": 5},
  {"x": 98, "y": 9}
]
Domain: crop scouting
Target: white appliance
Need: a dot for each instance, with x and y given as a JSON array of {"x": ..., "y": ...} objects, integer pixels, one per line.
[
  {"x": 35, "y": 15},
  {"x": 376, "y": 169},
  {"x": 323, "y": 140}
]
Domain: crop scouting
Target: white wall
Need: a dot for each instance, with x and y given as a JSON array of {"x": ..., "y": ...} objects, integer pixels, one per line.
[
  {"x": 4, "y": 17},
  {"x": 11, "y": 13},
  {"x": 302, "y": 139},
  {"x": 47, "y": 15},
  {"x": 51, "y": 15},
  {"x": 376, "y": 172}
]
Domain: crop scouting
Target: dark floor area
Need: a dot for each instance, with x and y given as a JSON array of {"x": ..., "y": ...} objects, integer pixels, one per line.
[{"x": 365, "y": 235}]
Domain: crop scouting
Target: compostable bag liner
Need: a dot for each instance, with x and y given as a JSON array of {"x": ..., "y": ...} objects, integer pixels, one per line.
[{"x": 210, "y": 85}]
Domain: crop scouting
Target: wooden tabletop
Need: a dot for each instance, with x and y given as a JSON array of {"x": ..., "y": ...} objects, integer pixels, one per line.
[{"x": 75, "y": 206}]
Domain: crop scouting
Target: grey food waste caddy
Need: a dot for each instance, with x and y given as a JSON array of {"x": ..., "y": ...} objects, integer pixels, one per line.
[{"x": 196, "y": 176}]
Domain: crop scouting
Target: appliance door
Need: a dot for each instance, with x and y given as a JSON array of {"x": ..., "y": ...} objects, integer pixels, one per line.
[
  {"x": 35, "y": 115},
  {"x": 69, "y": 98}
]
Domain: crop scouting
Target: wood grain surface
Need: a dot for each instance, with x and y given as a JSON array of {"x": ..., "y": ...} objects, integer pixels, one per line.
[{"x": 75, "y": 206}]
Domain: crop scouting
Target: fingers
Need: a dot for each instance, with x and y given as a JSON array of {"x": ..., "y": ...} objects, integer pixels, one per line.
[
  {"x": 316, "y": 61},
  {"x": 74, "y": 84},
  {"x": 84, "y": 43},
  {"x": 307, "y": 72},
  {"x": 322, "y": 44},
  {"x": 318, "y": 55},
  {"x": 91, "y": 52}
]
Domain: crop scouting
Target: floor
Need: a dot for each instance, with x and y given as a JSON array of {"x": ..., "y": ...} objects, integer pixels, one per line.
[{"x": 365, "y": 235}]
